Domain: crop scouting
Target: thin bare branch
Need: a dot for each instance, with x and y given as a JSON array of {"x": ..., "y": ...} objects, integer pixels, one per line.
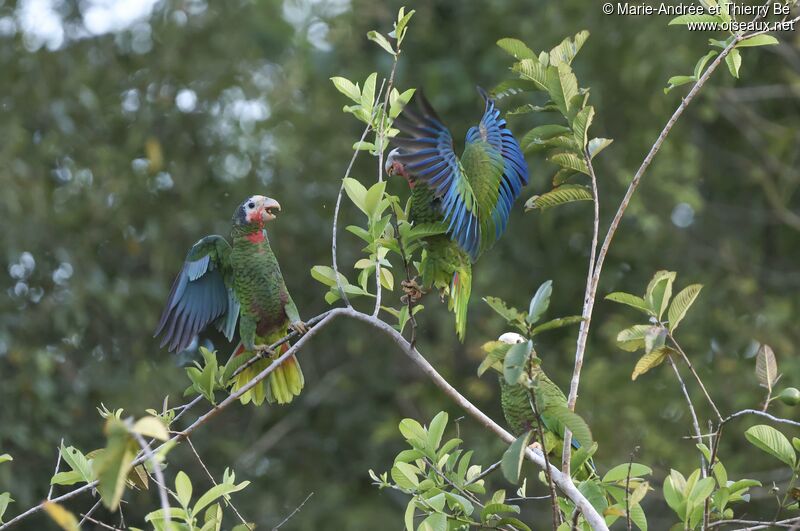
[
  {"x": 553, "y": 496},
  {"x": 696, "y": 377},
  {"x": 58, "y": 465},
  {"x": 296, "y": 510},
  {"x": 88, "y": 517},
  {"x": 162, "y": 491}
]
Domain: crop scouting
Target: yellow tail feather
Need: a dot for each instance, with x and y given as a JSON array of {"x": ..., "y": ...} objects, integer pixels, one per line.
[{"x": 281, "y": 386}]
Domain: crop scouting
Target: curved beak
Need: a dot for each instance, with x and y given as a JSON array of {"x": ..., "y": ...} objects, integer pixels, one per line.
[
  {"x": 389, "y": 165},
  {"x": 269, "y": 209}
]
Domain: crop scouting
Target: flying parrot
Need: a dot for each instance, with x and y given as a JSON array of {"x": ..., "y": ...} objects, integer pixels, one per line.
[
  {"x": 222, "y": 283},
  {"x": 516, "y": 400},
  {"x": 472, "y": 194}
]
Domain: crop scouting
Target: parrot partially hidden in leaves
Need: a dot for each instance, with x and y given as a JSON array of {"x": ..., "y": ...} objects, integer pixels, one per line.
[
  {"x": 472, "y": 194},
  {"x": 516, "y": 400},
  {"x": 222, "y": 283}
]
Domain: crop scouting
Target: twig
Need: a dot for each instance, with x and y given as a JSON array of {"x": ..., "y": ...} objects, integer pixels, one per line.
[
  {"x": 58, "y": 464},
  {"x": 553, "y": 496},
  {"x": 591, "y": 292},
  {"x": 491, "y": 468},
  {"x": 756, "y": 524},
  {"x": 214, "y": 482},
  {"x": 162, "y": 491},
  {"x": 104, "y": 525},
  {"x": 695, "y": 423},
  {"x": 773, "y": 418},
  {"x": 694, "y": 373},
  {"x": 628, "y": 487},
  {"x": 586, "y": 313},
  {"x": 407, "y": 269},
  {"x": 334, "y": 261},
  {"x": 447, "y": 480},
  {"x": 89, "y": 513},
  {"x": 296, "y": 510},
  {"x": 564, "y": 483}
]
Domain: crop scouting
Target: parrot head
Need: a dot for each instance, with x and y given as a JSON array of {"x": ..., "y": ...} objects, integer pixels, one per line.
[
  {"x": 512, "y": 338},
  {"x": 256, "y": 209},
  {"x": 395, "y": 167}
]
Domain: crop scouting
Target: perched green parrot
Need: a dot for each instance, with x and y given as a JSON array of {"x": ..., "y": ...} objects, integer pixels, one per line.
[
  {"x": 221, "y": 283},
  {"x": 472, "y": 194},
  {"x": 517, "y": 404}
]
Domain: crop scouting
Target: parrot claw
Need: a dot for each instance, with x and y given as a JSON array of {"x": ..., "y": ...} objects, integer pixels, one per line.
[
  {"x": 300, "y": 327},
  {"x": 263, "y": 349},
  {"x": 535, "y": 446},
  {"x": 413, "y": 291}
]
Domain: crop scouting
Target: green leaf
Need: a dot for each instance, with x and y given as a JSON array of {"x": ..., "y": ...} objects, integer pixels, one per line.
[
  {"x": 566, "y": 51},
  {"x": 435, "y": 430},
  {"x": 114, "y": 464},
  {"x": 673, "y": 493},
  {"x": 183, "y": 489},
  {"x": 630, "y": 300},
  {"x": 633, "y": 338},
  {"x": 434, "y": 522},
  {"x": 594, "y": 493},
  {"x": 563, "y": 87},
  {"x": 533, "y": 70},
  {"x": 570, "y": 161},
  {"x": 346, "y": 87},
  {"x": 373, "y": 198},
  {"x": 659, "y": 292},
  {"x": 508, "y": 313},
  {"x": 773, "y": 442},
  {"x": 681, "y": 304},
  {"x": 511, "y": 464},
  {"x": 581, "y": 124},
  {"x": 381, "y": 41},
  {"x": 510, "y": 87},
  {"x": 405, "y": 475},
  {"x": 649, "y": 360},
  {"x": 5, "y": 499},
  {"x": 516, "y": 48},
  {"x": 566, "y": 193},
  {"x": 368, "y": 92},
  {"x": 701, "y": 63},
  {"x": 571, "y": 420},
  {"x": 543, "y": 132},
  {"x": 67, "y": 478},
  {"x": 758, "y": 40},
  {"x": 539, "y": 302},
  {"x": 217, "y": 491},
  {"x": 357, "y": 193},
  {"x": 6, "y": 458},
  {"x": 151, "y": 427},
  {"x": 77, "y": 462},
  {"x": 638, "y": 517},
  {"x": 516, "y": 361},
  {"x": 363, "y": 146},
  {"x": 620, "y": 472},
  {"x": 691, "y": 19},
  {"x": 677, "y": 81},
  {"x": 413, "y": 432},
  {"x": 556, "y": 323},
  {"x": 596, "y": 145},
  {"x": 766, "y": 367},
  {"x": 409, "y": 515},
  {"x": 734, "y": 62},
  {"x": 464, "y": 504},
  {"x": 701, "y": 490}
]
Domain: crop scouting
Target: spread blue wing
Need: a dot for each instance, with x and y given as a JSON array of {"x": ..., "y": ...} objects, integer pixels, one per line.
[
  {"x": 494, "y": 131},
  {"x": 427, "y": 153},
  {"x": 202, "y": 294}
]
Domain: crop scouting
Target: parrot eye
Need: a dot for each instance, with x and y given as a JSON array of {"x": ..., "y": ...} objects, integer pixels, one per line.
[{"x": 251, "y": 205}]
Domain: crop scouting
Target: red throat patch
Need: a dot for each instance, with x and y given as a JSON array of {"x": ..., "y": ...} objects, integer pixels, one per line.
[{"x": 256, "y": 237}]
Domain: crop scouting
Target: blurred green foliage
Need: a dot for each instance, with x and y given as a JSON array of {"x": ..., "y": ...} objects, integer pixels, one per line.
[{"x": 122, "y": 143}]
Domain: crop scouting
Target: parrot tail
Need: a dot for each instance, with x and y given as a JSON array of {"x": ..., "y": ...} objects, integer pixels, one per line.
[
  {"x": 460, "y": 290},
  {"x": 282, "y": 384}
]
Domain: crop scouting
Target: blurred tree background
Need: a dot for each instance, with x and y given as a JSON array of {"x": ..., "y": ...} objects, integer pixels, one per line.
[{"x": 130, "y": 129}]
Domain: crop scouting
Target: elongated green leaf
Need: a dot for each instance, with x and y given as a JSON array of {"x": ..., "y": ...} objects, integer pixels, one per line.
[
  {"x": 5, "y": 499},
  {"x": 408, "y": 518},
  {"x": 541, "y": 133},
  {"x": 510, "y": 87},
  {"x": 62, "y": 517},
  {"x": 571, "y": 161},
  {"x": 414, "y": 433},
  {"x": 508, "y": 313},
  {"x": 596, "y": 145},
  {"x": 659, "y": 292},
  {"x": 77, "y": 462},
  {"x": 556, "y": 323},
  {"x": 532, "y": 70},
  {"x": 368, "y": 92},
  {"x": 114, "y": 464},
  {"x": 766, "y": 367},
  {"x": 638, "y": 516},
  {"x": 183, "y": 488},
  {"x": 515, "y": 361},
  {"x": 153, "y": 426},
  {"x": 563, "y": 87},
  {"x": 216, "y": 492},
  {"x": 677, "y": 81},
  {"x": 632, "y": 339},
  {"x": 581, "y": 124},
  {"x": 758, "y": 40},
  {"x": 567, "y": 49},
  {"x": 773, "y": 442},
  {"x": 700, "y": 66},
  {"x": 434, "y": 522},
  {"x": 6, "y": 458},
  {"x": 681, "y": 304},
  {"x": 651, "y": 359},
  {"x": 381, "y": 41},
  {"x": 511, "y": 465},
  {"x": 516, "y": 48},
  {"x": 562, "y": 414},
  {"x": 630, "y": 300},
  {"x": 539, "y": 302},
  {"x": 566, "y": 193},
  {"x": 348, "y": 88},
  {"x": 734, "y": 62},
  {"x": 701, "y": 490},
  {"x": 620, "y": 472},
  {"x": 436, "y": 430}
]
